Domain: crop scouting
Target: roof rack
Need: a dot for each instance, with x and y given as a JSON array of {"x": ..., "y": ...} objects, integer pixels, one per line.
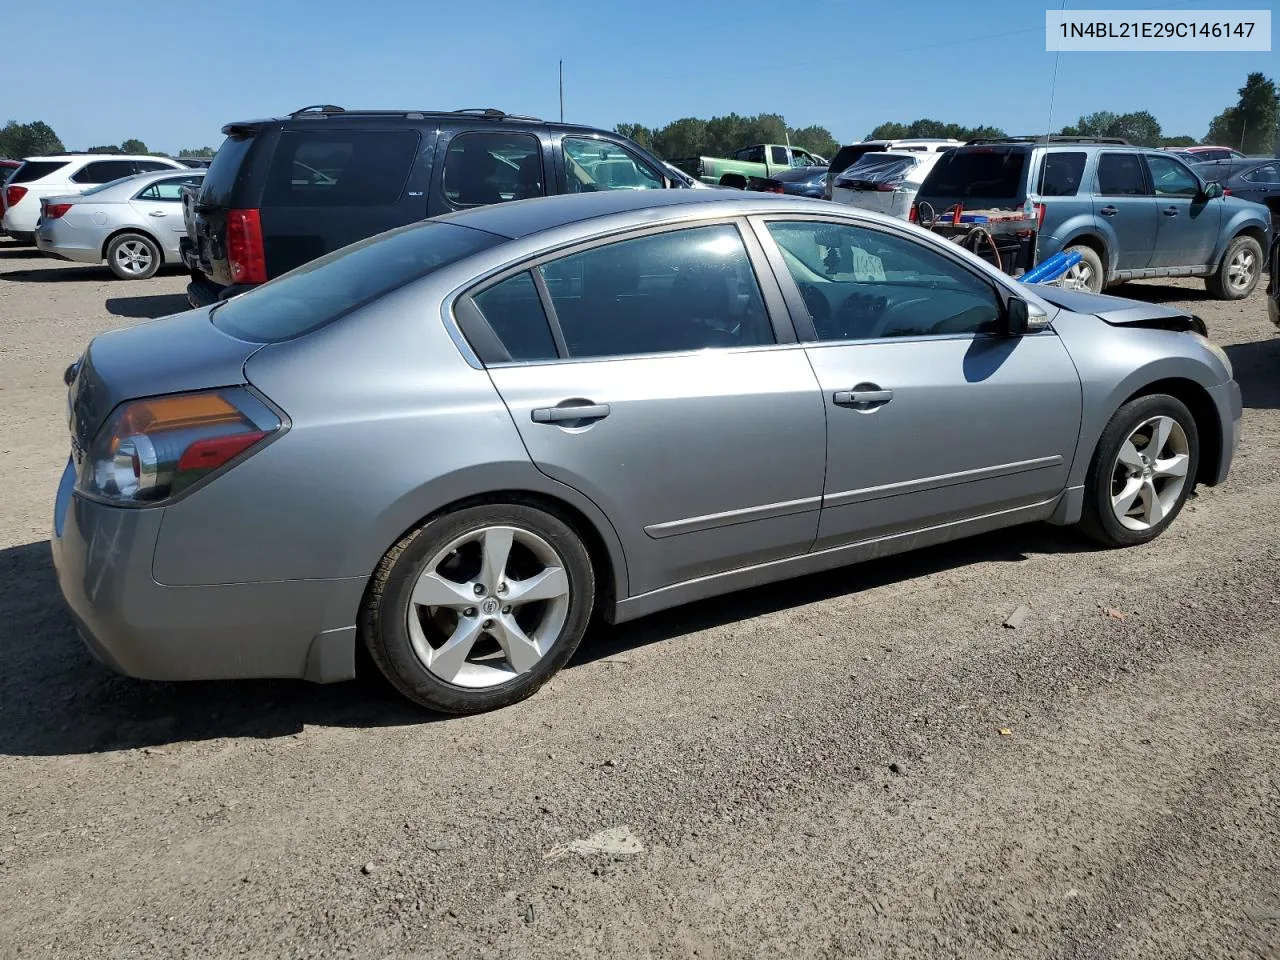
[
  {"x": 492, "y": 113},
  {"x": 321, "y": 108},
  {"x": 1051, "y": 138}
]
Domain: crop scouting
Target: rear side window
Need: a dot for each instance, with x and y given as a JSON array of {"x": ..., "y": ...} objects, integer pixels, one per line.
[
  {"x": 690, "y": 289},
  {"x": 340, "y": 168},
  {"x": 319, "y": 292},
  {"x": 778, "y": 154},
  {"x": 515, "y": 313},
  {"x": 220, "y": 180},
  {"x": 1061, "y": 174},
  {"x": 36, "y": 169},
  {"x": 104, "y": 171},
  {"x": 485, "y": 168},
  {"x": 1120, "y": 175},
  {"x": 982, "y": 173}
]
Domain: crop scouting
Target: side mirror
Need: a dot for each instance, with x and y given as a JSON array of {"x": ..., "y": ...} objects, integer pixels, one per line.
[
  {"x": 1016, "y": 319},
  {"x": 1212, "y": 190}
]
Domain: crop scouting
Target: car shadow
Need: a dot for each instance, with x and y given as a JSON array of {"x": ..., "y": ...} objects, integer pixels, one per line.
[
  {"x": 148, "y": 308},
  {"x": 1149, "y": 292},
  {"x": 1257, "y": 369},
  {"x": 18, "y": 253},
  {"x": 56, "y": 700},
  {"x": 57, "y": 274}
]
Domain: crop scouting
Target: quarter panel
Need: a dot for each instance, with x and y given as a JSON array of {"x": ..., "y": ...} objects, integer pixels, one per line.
[{"x": 389, "y": 424}]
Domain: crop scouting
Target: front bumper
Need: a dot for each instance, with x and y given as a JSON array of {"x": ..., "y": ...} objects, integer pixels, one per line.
[
  {"x": 288, "y": 628},
  {"x": 1230, "y": 407}
]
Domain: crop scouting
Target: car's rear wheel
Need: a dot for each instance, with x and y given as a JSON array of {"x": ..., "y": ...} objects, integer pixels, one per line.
[
  {"x": 1142, "y": 471},
  {"x": 478, "y": 608},
  {"x": 133, "y": 256},
  {"x": 1239, "y": 271},
  {"x": 1088, "y": 275}
]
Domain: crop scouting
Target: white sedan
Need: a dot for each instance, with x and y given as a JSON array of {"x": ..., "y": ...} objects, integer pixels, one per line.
[{"x": 133, "y": 224}]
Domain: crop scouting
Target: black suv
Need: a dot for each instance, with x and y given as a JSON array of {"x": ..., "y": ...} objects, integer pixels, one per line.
[{"x": 282, "y": 192}]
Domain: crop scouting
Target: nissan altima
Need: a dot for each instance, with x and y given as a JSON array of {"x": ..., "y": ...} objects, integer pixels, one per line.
[{"x": 460, "y": 442}]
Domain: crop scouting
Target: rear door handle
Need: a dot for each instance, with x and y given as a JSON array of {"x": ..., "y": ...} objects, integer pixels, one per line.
[
  {"x": 159, "y": 213},
  {"x": 865, "y": 398},
  {"x": 1108, "y": 211},
  {"x": 581, "y": 411}
]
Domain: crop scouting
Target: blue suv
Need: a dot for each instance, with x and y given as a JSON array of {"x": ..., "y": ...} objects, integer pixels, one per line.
[{"x": 1129, "y": 211}]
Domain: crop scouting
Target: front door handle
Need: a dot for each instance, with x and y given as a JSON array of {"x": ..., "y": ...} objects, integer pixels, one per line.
[
  {"x": 1108, "y": 211},
  {"x": 564, "y": 414},
  {"x": 862, "y": 397},
  {"x": 158, "y": 213},
  {"x": 1170, "y": 211}
]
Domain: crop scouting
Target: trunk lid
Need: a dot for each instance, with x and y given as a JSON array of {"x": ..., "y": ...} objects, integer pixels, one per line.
[{"x": 177, "y": 354}]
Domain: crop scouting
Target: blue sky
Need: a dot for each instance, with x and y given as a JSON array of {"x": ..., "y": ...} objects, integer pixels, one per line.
[{"x": 172, "y": 73}]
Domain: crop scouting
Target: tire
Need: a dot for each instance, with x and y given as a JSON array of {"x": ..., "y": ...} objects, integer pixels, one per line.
[
  {"x": 459, "y": 656},
  {"x": 1123, "y": 470},
  {"x": 134, "y": 256},
  {"x": 1239, "y": 272},
  {"x": 1090, "y": 272}
]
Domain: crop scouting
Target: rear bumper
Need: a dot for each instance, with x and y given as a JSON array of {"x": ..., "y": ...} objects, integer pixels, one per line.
[
  {"x": 64, "y": 244},
  {"x": 103, "y": 555}
]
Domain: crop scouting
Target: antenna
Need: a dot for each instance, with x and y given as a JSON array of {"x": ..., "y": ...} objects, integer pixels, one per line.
[{"x": 562, "y": 91}]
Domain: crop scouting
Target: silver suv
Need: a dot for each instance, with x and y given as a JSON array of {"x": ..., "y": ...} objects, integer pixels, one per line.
[{"x": 1129, "y": 211}]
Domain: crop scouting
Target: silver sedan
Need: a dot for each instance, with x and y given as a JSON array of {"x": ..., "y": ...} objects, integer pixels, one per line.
[
  {"x": 459, "y": 442},
  {"x": 133, "y": 223}
]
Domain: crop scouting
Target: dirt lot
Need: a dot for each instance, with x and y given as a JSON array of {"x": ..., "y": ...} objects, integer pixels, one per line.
[{"x": 812, "y": 770}]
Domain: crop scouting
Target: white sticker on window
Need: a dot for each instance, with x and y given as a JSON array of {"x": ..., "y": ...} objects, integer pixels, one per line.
[{"x": 867, "y": 268}]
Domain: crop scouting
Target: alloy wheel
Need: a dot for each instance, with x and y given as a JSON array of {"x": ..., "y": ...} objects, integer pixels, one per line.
[
  {"x": 133, "y": 257},
  {"x": 1149, "y": 473},
  {"x": 488, "y": 606},
  {"x": 1242, "y": 268},
  {"x": 1078, "y": 277}
]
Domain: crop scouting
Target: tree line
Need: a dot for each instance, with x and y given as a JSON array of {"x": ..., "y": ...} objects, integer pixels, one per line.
[
  {"x": 1250, "y": 126},
  {"x": 38, "y": 139}
]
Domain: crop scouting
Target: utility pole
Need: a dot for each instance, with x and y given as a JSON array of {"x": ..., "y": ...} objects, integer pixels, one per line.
[{"x": 562, "y": 91}]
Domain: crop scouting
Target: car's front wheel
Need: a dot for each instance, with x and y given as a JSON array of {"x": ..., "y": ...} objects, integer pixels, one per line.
[
  {"x": 1142, "y": 471},
  {"x": 133, "y": 256},
  {"x": 1238, "y": 273},
  {"x": 478, "y": 608}
]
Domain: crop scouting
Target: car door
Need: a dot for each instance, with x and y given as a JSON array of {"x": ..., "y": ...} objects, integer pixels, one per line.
[
  {"x": 667, "y": 392},
  {"x": 931, "y": 418},
  {"x": 1188, "y": 221},
  {"x": 1260, "y": 184},
  {"x": 1126, "y": 209},
  {"x": 159, "y": 206}
]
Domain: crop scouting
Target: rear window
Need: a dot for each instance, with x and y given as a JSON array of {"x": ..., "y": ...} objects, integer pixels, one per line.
[
  {"x": 984, "y": 173},
  {"x": 35, "y": 169},
  {"x": 847, "y": 156},
  {"x": 878, "y": 168},
  {"x": 340, "y": 168},
  {"x": 220, "y": 180},
  {"x": 1061, "y": 174},
  {"x": 321, "y": 291}
]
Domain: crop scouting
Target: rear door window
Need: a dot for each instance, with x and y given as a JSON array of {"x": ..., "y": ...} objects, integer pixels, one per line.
[
  {"x": 1267, "y": 173},
  {"x": 103, "y": 171},
  {"x": 1121, "y": 175},
  {"x": 170, "y": 190},
  {"x": 36, "y": 169},
  {"x": 484, "y": 168},
  {"x": 151, "y": 166},
  {"x": 340, "y": 168},
  {"x": 778, "y": 155},
  {"x": 1061, "y": 174}
]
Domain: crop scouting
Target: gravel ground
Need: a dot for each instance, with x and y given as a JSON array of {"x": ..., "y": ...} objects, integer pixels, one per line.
[{"x": 865, "y": 763}]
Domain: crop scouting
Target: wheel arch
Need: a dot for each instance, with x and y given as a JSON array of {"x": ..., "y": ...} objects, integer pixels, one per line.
[
  {"x": 1196, "y": 399},
  {"x": 106, "y": 243}
]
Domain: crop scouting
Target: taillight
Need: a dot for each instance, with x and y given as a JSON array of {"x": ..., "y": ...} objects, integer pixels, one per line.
[
  {"x": 886, "y": 187},
  {"x": 151, "y": 450},
  {"x": 1039, "y": 215},
  {"x": 245, "y": 251},
  {"x": 773, "y": 188},
  {"x": 52, "y": 211},
  {"x": 1226, "y": 191},
  {"x": 913, "y": 216},
  {"x": 13, "y": 194}
]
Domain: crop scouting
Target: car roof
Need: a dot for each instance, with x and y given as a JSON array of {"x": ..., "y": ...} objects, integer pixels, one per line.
[
  {"x": 523, "y": 218},
  {"x": 68, "y": 157}
]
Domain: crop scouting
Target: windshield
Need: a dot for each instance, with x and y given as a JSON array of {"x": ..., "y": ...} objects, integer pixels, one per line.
[
  {"x": 321, "y": 291},
  {"x": 981, "y": 173}
]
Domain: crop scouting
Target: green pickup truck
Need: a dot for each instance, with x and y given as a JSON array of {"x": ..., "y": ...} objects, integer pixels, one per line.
[{"x": 761, "y": 160}]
